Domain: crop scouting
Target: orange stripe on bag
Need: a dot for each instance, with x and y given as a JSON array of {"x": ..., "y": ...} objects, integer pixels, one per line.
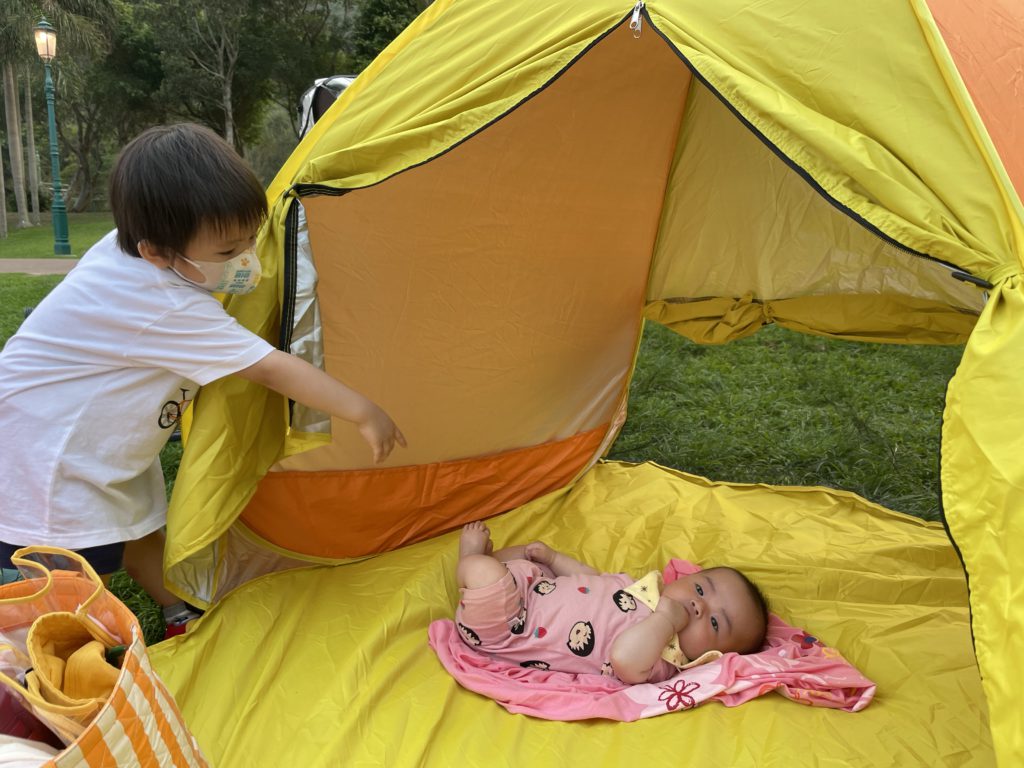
[
  {"x": 170, "y": 740},
  {"x": 132, "y": 720},
  {"x": 95, "y": 750},
  {"x": 170, "y": 705}
]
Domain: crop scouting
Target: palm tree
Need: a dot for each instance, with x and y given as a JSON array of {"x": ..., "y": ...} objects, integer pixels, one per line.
[
  {"x": 77, "y": 21},
  {"x": 14, "y": 149},
  {"x": 30, "y": 146}
]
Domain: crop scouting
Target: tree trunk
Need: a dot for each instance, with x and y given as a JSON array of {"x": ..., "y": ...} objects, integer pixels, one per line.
[
  {"x": 3, "y": 199},
  {"x": 229, "y": 114},
  {"x": 30, "y": 146},
  {"x": 82, "y": 191},
  {"x": 14, "y": 148}
]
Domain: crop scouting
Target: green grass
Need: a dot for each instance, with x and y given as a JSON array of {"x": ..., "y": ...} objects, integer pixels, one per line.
[
  {"x": 84, "y": 229},
  {"x": 18, "y": 293},
  {"x": 778, "y": 407},
  {"x": 790, "y": 409}
]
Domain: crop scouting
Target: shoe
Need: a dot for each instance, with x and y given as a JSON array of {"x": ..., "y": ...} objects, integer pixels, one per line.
[{"x": 178, "y": 618}]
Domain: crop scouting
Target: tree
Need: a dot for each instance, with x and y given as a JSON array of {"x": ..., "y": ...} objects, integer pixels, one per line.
[
  {"x": 311, "y": 40},
  {"x": 380, "y": 22},
  {"x": 202, "y": 43},
  {"x": 14, "y": 147},
  {"x": 79, "y": 25},
  {"x": 3, "y": 200},
  {"x": 107, "y": 96},
  {"x": 30, "y": 148}
]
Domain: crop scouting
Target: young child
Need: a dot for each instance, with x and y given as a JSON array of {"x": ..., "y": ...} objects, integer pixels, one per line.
[
  {"x": 133, "y": 327},
  {"x": 540, "y": 608}
]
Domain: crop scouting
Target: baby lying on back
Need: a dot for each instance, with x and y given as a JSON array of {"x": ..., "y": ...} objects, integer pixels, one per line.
[{"x": 536, "y": 607}]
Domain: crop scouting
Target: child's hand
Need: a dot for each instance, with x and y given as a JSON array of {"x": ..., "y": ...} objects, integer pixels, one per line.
[
  {"x": 539, "y": 552},
  {"x": 675, "y": 612},
  {"x": 379, "y": 432}
]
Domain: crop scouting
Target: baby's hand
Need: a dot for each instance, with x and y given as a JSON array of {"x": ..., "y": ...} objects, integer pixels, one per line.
[
  {"x": 675, "y": 612},
  {"x": 539, "y": 552},
  {"x": 380, "y": 433}
]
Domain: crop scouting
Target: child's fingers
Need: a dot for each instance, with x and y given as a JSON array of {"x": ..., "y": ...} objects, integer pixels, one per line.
[{"x": 400, "y": 438}]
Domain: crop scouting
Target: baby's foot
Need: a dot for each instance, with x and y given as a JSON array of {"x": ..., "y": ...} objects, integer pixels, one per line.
[{"x": 475, "y": 540}]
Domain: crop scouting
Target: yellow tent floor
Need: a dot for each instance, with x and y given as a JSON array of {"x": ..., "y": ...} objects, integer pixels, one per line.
[{"x": 329, "y": 666}]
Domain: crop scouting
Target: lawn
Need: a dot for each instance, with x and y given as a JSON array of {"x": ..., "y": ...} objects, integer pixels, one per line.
[
  {"x": 84, "y": 229},
  {"x": 778, "y": 407},
  {"x": 791, "y": 409}
]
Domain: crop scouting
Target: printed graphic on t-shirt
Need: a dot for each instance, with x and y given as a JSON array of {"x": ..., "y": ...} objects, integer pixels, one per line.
[
  {"x": 581, "y": 638},
  {"x": 170, "y": 413},
  {"x": 544, "y": 587},
  {"x": 469, "y": 635},
  {"x": 535, "y": 664},
  {"x": 624, "y": 601},
  {"x": 517, "y": 623}
]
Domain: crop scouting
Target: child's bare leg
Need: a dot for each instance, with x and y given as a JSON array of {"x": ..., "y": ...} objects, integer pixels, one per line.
[
  {"x": 144, "y": 561},
  {"x": 476, "y": 567}
]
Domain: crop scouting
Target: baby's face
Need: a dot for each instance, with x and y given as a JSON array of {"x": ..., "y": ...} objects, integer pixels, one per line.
[{"x": 723, "y": 615}]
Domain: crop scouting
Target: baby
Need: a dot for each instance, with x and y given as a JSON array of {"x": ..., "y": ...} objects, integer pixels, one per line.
[{"x": 540, "y": 608}]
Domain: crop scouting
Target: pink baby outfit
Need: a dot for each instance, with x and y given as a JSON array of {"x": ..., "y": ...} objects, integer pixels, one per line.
[{"x": 563, "y": 623}]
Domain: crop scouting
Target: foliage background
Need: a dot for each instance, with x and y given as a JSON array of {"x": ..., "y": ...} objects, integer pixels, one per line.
[{"x": 238, "y": 66}]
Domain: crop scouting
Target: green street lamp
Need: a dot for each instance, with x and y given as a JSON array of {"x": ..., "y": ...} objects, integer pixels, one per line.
[{"x": 46, "y": 46}]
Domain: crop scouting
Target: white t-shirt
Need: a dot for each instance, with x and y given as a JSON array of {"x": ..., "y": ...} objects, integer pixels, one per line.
[{"x": 89, "y": 388}]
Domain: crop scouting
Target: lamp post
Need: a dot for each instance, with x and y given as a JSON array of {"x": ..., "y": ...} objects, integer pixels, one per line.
[{"x": 46, "y": 46}]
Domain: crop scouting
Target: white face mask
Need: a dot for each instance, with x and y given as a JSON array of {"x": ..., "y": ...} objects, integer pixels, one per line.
[{"x": 239, "y": 274}]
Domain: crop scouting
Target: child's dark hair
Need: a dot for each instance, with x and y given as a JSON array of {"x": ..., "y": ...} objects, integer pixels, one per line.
[
  {"x": 760, "y": 601},
  {"x": 171, "y": 180}
]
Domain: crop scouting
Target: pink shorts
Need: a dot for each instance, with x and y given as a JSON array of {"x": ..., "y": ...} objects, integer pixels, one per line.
[{"x": 493, "y": 616}]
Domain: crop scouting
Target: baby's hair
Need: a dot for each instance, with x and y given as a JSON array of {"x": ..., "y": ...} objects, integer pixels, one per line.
[
  {"x": 171, "y": 180},
  {"x": 759, "y": 600}
]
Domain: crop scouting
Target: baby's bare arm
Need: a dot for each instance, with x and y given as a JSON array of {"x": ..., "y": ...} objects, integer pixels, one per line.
[
  {"x": 636, "y": 650},
  {"x": 560, "y": 563},
  {"x": 515, "y": 552}
]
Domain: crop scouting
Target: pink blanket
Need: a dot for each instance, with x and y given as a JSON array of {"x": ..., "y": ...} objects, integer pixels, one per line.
[{"x": 793, "y": 663}]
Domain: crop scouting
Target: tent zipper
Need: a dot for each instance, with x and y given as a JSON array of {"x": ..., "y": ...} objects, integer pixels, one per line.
[
  {"x": 636, "y": 20},
  {"x": 954, "y": 272}
]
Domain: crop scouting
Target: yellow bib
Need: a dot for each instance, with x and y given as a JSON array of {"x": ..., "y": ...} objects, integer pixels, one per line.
[{"x": 647, "y": 590}]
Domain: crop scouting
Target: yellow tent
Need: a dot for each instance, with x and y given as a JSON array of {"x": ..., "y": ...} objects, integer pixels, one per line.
[{"x": 473, "y": 235}]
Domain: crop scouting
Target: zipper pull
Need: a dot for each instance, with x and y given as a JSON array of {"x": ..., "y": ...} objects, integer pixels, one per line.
[{"x": 636, "y": 21}]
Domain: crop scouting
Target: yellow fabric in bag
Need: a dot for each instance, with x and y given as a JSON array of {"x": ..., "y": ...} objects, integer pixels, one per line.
[{"x": 338, "y": 662}]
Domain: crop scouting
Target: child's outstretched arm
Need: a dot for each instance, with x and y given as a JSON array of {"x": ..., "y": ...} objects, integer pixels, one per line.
[
  {"x": 636, "y": 650},
  {"x": 560, "y": 563},
  {"x": 298, "y": 380}
]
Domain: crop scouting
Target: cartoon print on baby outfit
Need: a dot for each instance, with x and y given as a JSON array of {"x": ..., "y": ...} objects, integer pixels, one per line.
[
  {"x": 469, "y": 635},
  {"x": 544, "y": 587},
  {"x": 606, "y": 669},
  {"x": 581, "y": 638},
  {"x": 517, "y": 623},
  {"x": 535, "y": 664},
  {"x": 624, "y": 601}
]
